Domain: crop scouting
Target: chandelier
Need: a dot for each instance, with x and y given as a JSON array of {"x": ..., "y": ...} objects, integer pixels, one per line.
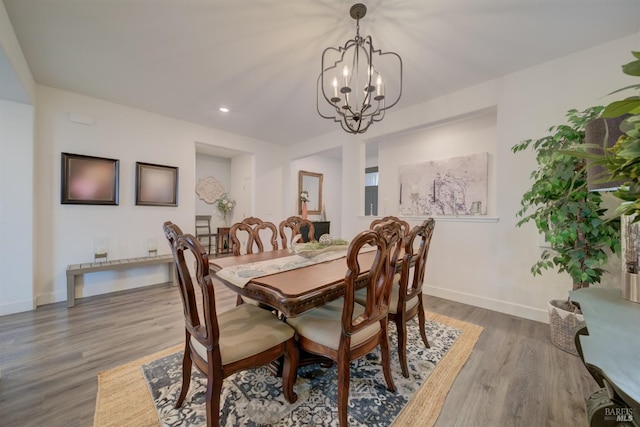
[{"x": 358, "y": 82}]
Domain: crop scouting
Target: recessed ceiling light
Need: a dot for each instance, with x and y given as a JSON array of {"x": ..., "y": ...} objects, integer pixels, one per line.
[{"x": 224, "y": 109}]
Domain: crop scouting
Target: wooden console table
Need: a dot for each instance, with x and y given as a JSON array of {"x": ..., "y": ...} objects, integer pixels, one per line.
[
  {"x": 609, "y": 347},
  {"x": 74, "y": 270},
  {"x": 319, "y": 227}
]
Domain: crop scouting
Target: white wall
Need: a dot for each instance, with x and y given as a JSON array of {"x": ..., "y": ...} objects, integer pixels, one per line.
[
  {"x": 16, "y": 209},
  {"x": 17, "y": 96},
  {"x": 473, "y": 135},
  {"x": 66, "y": 232},
  {"x": 487, "y": 264}
]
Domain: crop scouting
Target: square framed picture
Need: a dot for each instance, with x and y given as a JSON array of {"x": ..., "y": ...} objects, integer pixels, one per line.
[
  {"x": 156, "y": 185},
  {"x": 88, "y": 180}
]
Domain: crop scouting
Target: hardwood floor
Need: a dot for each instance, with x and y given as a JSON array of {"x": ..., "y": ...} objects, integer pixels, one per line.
[{"x": 49, "y": 359}]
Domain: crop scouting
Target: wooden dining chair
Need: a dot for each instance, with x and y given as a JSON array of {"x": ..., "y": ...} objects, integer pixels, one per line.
[
  {"x": 293, "y": 224},
  {"x": 406, "y": 299},
  {"x": 254, "y": 228},
  {"x": 343, "y": 330},
  {"x": 406, "y": 228},
  {"x": 222, "y": 344},
  {"x": 203, "y": 232}
]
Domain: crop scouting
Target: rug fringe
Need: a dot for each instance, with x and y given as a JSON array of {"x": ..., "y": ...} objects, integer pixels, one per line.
[
  {"x": 424, "y": 408},
  {"x": 131, "y": 412}
]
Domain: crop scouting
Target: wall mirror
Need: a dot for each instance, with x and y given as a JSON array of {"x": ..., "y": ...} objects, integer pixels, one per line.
[{"x": 310, "y": 182}]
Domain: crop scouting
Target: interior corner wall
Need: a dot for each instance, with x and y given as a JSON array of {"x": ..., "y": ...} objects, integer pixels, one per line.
[
  {"x": 242, "y": 187},
  {"x": 17, "y": 207},
  {"x": 220, "y": 169},
  {"x": 66, "y": 233},
  {"x": 331, "y": 170},
  {"x": 16, "y": 81}
]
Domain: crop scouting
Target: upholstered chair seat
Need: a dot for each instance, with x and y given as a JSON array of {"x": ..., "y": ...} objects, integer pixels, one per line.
[
  {"x": 361, "y": 295},
  {"x": 323, "y": 325},
  {"x": 244, "y": 331}
]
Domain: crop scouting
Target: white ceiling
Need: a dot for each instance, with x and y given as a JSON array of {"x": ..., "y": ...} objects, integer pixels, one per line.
[{"x": 261, "y": 58}]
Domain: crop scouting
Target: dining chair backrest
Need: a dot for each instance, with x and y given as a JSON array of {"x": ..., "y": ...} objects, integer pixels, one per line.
[
  {"x": 254, "y": 229},
  {"x": 185, "y": 244},
  {"x": 404, "y": 225},
  {"x": 387, "y": 239},
  {"x": 416, "y": 258},
  {"x": 293, "y": 224},
  {"x": 171, "y": 232},
  {"x": 203, "y": 231}
]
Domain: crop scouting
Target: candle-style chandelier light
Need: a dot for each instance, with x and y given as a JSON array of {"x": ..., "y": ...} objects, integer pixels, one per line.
[{"x": 358, "y": 82}]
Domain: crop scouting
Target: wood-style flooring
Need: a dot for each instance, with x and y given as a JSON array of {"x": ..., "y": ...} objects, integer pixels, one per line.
[{"x": 49, "y": 359}]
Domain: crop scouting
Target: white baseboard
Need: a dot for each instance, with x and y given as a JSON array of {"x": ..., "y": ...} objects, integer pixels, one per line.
[
  {"x": 16, "y": 307},
  {"x": 527, "y": 312}
]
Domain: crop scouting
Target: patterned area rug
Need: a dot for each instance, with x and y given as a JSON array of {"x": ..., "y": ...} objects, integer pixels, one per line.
[{"x": 254, "y": 397}]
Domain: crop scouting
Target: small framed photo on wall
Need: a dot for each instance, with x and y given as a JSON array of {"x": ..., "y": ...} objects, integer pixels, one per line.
[
  {"x": 88, "y": 180},
  {"x": 156, "y": 185}
]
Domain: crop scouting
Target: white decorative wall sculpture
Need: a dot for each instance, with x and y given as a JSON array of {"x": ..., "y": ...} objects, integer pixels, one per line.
[{"x": 209, "y": 189}]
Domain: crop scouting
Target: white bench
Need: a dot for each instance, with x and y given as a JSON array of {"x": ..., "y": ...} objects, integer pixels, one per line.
[{"x": 74, "y": 270}]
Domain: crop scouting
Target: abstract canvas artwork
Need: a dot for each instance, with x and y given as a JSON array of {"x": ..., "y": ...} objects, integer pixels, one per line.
[
  {"x": 88, "y": 180},
  {"x": 156, "y": 185},
  {"x": 453, "y": 186}
]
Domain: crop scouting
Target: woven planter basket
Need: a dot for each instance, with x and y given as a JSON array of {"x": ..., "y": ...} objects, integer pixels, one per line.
[{"x": 564, "y": 325}]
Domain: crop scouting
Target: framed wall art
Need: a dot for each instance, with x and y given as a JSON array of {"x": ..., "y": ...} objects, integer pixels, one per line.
[
  {"x": 88, "y": 180},
  {"x": 453, "y": 186},
  {"x": 156, "y": 185}
]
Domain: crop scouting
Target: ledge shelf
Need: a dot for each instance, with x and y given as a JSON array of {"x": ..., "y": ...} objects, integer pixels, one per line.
[{"x": 442, "y": 218}]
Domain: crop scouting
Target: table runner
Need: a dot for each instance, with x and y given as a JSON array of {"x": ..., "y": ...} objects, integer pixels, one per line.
[{"x": 242, "y": 274}]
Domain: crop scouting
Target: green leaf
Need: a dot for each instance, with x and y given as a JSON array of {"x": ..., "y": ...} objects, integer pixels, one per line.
[
  {"x": 618, "y": 108},
  {"x": 632, "y": 68}
]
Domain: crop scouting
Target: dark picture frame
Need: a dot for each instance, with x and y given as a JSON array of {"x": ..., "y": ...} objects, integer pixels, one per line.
[
  {"x": 156, "y": 185},
  {"x": 88, "y": 180}
]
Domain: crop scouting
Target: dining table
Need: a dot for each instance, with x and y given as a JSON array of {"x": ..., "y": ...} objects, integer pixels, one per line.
[{"x": 302, "y": 284}]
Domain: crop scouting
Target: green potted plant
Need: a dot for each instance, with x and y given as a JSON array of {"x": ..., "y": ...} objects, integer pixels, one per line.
[
  {"x": 621, "y": 163},
  {"x": 570, "y": 217}
]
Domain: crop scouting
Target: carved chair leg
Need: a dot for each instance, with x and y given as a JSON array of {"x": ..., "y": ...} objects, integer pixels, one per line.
[
  {"x": 401, "y": 327},
  {"x": 186, "y": 373},
  {"x": 290, "y": 370},
  {"x": 386, "y": 357},
  {"x": 422, "y": 319},
  {"x": 344, "y": 373},
  {"x": 212, "y": 397}
]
